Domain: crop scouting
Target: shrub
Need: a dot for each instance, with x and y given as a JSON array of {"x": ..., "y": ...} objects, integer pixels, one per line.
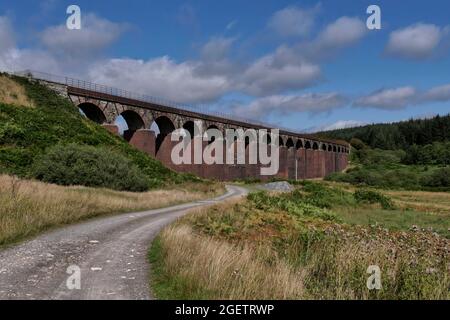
[
  {"x": 439, "y": 178},
  {"x": 89, "y": 166},
  {"x": 371, "y": 196}
]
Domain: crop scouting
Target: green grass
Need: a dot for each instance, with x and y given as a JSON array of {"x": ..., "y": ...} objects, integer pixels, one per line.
[
  {"x": 26, "y": 133},
  {"x": 396, "y": 220}
]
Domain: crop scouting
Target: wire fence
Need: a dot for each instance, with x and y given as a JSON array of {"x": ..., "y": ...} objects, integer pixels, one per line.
[{"x": 95, "y": 87}]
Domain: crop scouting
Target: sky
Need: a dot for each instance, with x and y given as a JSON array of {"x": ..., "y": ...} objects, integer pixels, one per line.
[{"x": 305, "y": 65}]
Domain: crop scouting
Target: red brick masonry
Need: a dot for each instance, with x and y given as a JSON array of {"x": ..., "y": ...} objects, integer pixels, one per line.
[{"x": 294, "y": 163}]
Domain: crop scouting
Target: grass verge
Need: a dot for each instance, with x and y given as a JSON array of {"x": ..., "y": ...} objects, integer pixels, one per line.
[
  {"x": 30, "y": 207},
  {"x": 303, "y": 245}
]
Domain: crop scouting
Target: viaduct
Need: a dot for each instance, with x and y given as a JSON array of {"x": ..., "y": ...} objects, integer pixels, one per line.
[{"x": 302, "y": 156}]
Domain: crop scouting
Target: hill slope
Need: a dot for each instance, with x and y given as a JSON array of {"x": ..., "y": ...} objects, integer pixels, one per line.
[{"x": 27, "y": 130}]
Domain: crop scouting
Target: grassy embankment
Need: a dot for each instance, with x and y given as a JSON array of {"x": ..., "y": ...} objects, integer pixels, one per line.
[
  {"x": 314, "y": 243},
  {"x": 33, "y": 119}
]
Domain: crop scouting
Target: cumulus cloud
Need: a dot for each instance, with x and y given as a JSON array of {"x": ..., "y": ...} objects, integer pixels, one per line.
[
  {"x": 269, "y": 75},
  {"x": 342, "y": 33},
  {"x": 95, "y": 35},
  {"x": 397, "y": 98},
  {"x": 441, "y": 93},
  {"x": 288, "y": 104},
  {"x": 418, "y": 41},
  {"x": 161, "y": 77},
  {"x": 293, "y": 21}
]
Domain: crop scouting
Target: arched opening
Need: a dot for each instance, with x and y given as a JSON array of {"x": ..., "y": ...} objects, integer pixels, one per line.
[
  {"x": 330, "y": 147},
  {"x": 162, "y": 126},
  {"x": 189, "y": 126},
  {"x": 308, "y": 145},
  {"x": 211, "y": 138},
  {"x": 289, "y": 143},
  {"x": 324, "y": 147},
  {"x": 129, "y": 122},
  {"x": 92, "y": 112},
  {"x": 339, "y": 149},
  {"x": 299, "y": 144},
  {"x": 334, "y": 149},
  {"x": 315, "y": 146},
  {"x": 280, "y": 142}
]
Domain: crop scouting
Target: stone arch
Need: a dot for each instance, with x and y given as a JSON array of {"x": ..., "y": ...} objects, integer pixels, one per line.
[
  {"x": 330, "y": 148},
  {"x": 334, "y": 149},
  {"x": 289, "y": 143},
  {"x": 190, "y": 127},
  {"x": 324, "y": 147},
  {"x": 134, "y": 123},
  {"x": 315, "y": 146},
  {"x": 308, "y": 145},
  {"x": 92, "y": 112},
  {"x": 166, "y": 127},
  {"x": 280, "y": 142},
  {"x": 299, "y": 144},
  {"x": 211, "y": 126}
]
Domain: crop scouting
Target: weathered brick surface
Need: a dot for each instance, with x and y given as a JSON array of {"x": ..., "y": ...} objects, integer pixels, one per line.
[
  {"x": 144, "y": 140},
  {"x": 111, "y": 128}
]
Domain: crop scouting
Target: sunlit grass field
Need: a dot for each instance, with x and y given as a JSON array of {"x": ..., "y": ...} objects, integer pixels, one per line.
[{"x": 314, "y": 243}]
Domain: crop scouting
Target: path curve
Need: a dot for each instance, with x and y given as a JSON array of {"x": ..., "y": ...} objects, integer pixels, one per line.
[{"x": 111, "y": 253}]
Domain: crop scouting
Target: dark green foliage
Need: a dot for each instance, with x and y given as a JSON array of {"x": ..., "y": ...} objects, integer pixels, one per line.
[
  {"x": 26, "y": 133},
  {"x": 89, "y": 166},
  {"x": 399, "y": 135},
  {"x": 371, "y": 196},
  {"x": 439, "y": 178},
  {"x": 385, "y": 169},
  {"x": 437, "y": 153}
]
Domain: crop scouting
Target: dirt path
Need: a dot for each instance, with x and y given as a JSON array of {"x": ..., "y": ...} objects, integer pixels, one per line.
[{"x": 110, "y": 252}]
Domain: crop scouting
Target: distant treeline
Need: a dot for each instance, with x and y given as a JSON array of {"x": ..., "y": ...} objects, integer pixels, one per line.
[{"x": 400, "y": 135}]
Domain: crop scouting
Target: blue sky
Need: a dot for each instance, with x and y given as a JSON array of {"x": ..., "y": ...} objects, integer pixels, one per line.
[{"x": 299, "y": 64}]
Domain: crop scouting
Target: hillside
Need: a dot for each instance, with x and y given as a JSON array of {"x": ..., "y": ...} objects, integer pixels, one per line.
[
  {"x": 34, "y": 118},
  {"x": 400, "y": 135}
]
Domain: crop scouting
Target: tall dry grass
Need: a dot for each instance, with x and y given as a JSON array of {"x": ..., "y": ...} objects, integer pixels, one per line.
[
  {"x": 237, "y": 251},
  {"x": 28, "y": 207},
  {"x": 219, "y": 270},
  {"x": 13, "y": 93}
]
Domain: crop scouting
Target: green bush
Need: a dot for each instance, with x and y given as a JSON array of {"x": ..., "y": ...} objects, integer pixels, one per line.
[
  {"x": 439, "y": 178},
  {"x": 89, "y": 166},
  {"x": 371, "y": 196}
]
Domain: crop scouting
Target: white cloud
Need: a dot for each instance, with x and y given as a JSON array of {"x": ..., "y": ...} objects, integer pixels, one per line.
[
  {"x": 343, "y": 32},
  {"x": 400, "y": 98},
  {"x": 343, "y": 124},
  {"x": 160, "y": 77},
  {"x": 441, "y": 93},
  {"x": 418, "y": 41},
  {"x": 278, "y": 72},
  {"x": 288, "y": 104},
  {"x": 95, "y": 35},
  {"x": 397, "y": 98},
  {"x": 293, "y": 21}
]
